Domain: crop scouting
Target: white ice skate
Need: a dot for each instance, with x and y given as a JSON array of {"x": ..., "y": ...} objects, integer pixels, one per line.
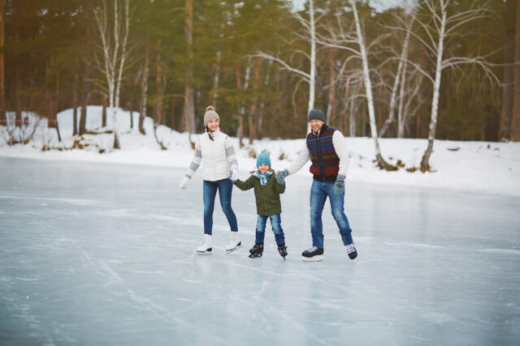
[
  {"x": 234, "y": 243},
  {"x": 205, "y": 248}
]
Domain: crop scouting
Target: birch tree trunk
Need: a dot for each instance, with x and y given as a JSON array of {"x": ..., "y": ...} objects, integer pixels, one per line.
[
  {"x": 446, "y": 24},
  {"x": 352, "y": 119},
  {"x": 309, "y": 77},
  {"x": 115, "y": 53},
  {"x": 189, "y": 106},
  {"x": 240, "y": 106},
  {"x": 397, "y": 81},
  {"x": 17, "y": 102},
  {"x": 252, "y": 111},
  {"x": 159, "y": 87},
  {"x": 144, "y": 88},
  {"x": 262, "y": 105},
  {"x": 425, "y": 165},
  {"x": 3, "y": 115},
  {"x": 56, "y": 105},
  {"x": 104, "y": 112},
  {"x": 312, "y": 74},
  {"x": 85, "y": 90},
  {"x": 400, "y": 114},
  {"x": 509, "y": 71},
  {"x": 331, "y": 107},
  {"x": 515, "y": 121},
  {"x": 368, "y": 90},
  {"x": 216, "y": 80},
  {"x": 75, "y": 98}
]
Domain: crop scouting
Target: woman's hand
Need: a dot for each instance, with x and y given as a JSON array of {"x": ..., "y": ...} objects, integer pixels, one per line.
[{"x": 184, "y": 184}]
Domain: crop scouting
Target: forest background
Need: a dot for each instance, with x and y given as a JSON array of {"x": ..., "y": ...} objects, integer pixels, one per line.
[{"x": 254, "y": 62}]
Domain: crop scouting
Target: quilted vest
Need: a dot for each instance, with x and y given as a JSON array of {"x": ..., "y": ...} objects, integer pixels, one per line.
[{"x": 325, "y": 161}]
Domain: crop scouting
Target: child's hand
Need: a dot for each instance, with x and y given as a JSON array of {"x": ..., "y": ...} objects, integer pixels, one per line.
[
  {"x": 184, "y": 184},
  {"x": 339, "y": 185},
  {"x": 280, "y": 176}
]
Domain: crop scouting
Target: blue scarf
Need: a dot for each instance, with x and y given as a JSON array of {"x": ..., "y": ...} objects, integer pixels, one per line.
[{"x": 263, "y": 177}]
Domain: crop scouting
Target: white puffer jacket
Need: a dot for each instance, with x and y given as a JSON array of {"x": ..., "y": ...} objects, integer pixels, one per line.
[{"x": 217, "y": 155}]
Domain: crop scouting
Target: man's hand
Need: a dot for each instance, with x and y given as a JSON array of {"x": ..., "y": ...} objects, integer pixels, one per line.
[
  {"x": 280, "y": 176},
  {"x": 339, "y": 185}
]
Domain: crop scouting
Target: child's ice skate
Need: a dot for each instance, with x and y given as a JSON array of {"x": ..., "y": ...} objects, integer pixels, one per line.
[
  {"x": 256, "y": 250},
  {"x": 282, "y": 250}
]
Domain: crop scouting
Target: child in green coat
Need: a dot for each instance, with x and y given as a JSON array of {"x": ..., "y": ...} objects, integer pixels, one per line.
[{"x": 267, "y": 194}]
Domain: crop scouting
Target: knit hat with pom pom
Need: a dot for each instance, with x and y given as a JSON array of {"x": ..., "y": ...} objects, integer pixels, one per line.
[
  {"x": 263, "y": 157},
  {"x": 210, "y": 114}
]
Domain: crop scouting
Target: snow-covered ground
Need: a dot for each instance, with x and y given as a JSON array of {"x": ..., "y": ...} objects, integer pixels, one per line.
[{"x": 481, "y": 167}]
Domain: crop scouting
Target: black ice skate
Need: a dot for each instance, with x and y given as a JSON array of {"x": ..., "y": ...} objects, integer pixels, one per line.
[
  {"x": 351, "y": 250},
  {"x": 313, "y": 254},
  {"x": 256, "y": 250},
  {"x": 282, "y": 250}
]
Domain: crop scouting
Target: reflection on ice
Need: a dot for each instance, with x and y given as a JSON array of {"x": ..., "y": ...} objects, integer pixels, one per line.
[{"x": 95, "y": 254}]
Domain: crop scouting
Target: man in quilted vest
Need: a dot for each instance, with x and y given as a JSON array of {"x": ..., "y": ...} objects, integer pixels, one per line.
[{"x": 326, "y": 148}]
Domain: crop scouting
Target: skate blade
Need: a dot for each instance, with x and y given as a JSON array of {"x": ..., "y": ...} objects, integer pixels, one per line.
[
  {"x": 255, "y": 256},
  {"x": 205, "y": 253},
  {"x": 235, "y": 248},
  {"x": 316, "y": 258}
]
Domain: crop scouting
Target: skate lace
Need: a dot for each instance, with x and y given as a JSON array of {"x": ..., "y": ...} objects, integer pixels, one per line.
[
  {"x": 351, "y": 248},
  {"x": 312, "y": 249}
]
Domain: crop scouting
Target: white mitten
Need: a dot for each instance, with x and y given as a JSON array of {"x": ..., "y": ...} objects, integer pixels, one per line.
[
  {"x": 184, "y": 184},
  {"x": 233, "y": 175}
]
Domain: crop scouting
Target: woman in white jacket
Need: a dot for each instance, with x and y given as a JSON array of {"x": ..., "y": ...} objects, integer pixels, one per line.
[{"x": 219, "y": 171}]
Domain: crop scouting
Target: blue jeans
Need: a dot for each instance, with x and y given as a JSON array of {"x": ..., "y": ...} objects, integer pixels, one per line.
[
  {"x": 209, "y": 191},
  {"x": 319, "y": 193},
  {"x": 276, "y": 223}
]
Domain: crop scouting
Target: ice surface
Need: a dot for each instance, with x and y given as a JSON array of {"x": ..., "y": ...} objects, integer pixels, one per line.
[{"x": 104, "y": 254}]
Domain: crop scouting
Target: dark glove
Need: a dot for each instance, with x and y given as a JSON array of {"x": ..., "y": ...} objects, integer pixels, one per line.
[
  {"x": 280, "y": 176},
  {"x": 339, "y": 185}
]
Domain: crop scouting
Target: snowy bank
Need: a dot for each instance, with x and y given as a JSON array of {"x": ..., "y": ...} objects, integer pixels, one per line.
[{"x": 480, "y": 167}]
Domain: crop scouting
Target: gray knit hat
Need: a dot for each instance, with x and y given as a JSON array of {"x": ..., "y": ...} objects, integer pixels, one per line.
[
  {"x": 210, "y": 114},
  {"x": 316, "y": 114}
]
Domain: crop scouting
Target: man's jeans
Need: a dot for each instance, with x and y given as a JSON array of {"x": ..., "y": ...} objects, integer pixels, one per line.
[
  {"x": 319, "y": 193},
  {"x": 209, "y": 191},
  {"x": 275, "y": 223}
]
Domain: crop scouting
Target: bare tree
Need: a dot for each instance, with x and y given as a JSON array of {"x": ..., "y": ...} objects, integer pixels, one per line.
[
  {"x": 399, "y": 80},
  {"x": 346, "y": 39},
  {"x": 509, "y": 69},
  {"x": 189, "y": 106},
  {"x": 440, "y": 26},
  {"x": 515, "y": 119},
  {"x": 310, "y": 35},
  {"x": 2, "y": 63},
  {"x": 115, "y": 53},
  {"x": 368, "y": 89}
]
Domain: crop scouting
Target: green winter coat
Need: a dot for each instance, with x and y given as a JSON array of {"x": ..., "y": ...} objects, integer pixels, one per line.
[{"x": 267, "y": 197}]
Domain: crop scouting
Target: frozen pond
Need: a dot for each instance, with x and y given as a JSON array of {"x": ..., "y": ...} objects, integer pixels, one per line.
[{"x": 104, "y": 254}]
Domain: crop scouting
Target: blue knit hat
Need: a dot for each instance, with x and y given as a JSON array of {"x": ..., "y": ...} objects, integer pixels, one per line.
[{"x": 263, "y": 158}]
